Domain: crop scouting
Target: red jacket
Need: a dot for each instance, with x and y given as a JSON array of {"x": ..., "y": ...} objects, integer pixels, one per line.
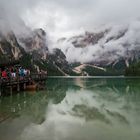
[{"x": 4, "y": 74}]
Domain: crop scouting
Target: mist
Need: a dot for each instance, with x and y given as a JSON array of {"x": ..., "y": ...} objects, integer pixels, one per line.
[
  {"x": 61, "y": 18},
  {"x": 106, "y": 49}
]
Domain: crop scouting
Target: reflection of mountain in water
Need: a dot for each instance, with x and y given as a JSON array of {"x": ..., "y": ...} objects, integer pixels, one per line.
[
  {"x": 76, "y": 108},
  {"x": 110, "y": 100},
  {"x": 89, "y": 113},
  {"x": 121, "y": 93},
  {"x": 90, "y": 109}
]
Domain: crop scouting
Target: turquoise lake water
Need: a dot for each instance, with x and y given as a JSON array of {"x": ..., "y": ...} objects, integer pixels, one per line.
[{"x": 74, "y": 109}]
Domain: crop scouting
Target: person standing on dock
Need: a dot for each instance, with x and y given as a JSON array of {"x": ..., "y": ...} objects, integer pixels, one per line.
[
  {"x": 13, "y": 73},
  {"x": 21, "y": 72},
  {"x": 4, "y": 74}
]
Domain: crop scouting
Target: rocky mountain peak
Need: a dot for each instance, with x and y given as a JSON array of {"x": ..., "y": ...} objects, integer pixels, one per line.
[
  {"x": 40, "y": 33},
  {"x": 36, "y": 40},
  {"x": 86, "y": 39},
  {"x": 9, "y": 47}
]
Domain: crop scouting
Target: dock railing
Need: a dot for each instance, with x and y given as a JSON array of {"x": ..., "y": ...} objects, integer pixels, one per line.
[{"x": 24, "y": 79}]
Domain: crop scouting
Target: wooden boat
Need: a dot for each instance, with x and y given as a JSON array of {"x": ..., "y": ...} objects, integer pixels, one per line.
[{"x": 31, "y": 87}]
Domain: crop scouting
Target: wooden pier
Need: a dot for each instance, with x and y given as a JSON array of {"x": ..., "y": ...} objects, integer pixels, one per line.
[{"x": 20, "y": 83}]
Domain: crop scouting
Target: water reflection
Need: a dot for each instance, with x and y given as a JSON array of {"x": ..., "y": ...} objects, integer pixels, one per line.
[{"x": 78, "y": 109}]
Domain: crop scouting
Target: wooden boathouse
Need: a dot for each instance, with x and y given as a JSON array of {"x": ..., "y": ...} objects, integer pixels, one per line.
[{"x": 20, "y": 83}]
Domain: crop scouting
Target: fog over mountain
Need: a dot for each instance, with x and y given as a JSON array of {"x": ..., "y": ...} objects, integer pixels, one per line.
[
  {"x": 61, "y": 18},
  {"x": 112, "y": 44}
]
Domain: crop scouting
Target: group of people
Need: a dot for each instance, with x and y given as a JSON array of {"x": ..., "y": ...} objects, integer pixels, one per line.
[{"x": 14, "y": 72}]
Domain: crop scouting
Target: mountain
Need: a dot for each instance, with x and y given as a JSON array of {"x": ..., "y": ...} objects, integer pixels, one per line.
[
  {"x": 32, "y": 53},
  {"x": 87, "y": 39},
  {"x": 10, "y": 48},
  {"x": 114, "y": 49}
]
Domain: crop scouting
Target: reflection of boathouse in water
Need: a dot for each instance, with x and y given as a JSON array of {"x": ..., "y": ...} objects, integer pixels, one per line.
[{"x": 29, "y": 81}]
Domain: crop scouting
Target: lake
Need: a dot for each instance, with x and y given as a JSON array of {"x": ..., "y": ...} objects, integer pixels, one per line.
[{"x": 75, "y": 108}]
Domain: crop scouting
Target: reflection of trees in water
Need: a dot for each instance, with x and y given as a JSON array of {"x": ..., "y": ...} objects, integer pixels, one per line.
[
  {"x": 89, "y": 83},
  {"x": 112, "y": 90},
  {"x": 116, "y": 89},
  {"x": 56, "y": 89},
  {"x": 121, "y": 91},
  {"x": 32, "y": 105},
  {"x": 120, "y": 86},
  {"x": 35, "y": 107},
  {"x": 25, "y": 105},
  {"x": 123, "y": 94}
]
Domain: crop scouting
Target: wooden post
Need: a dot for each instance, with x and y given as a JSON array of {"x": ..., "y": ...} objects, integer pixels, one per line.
[
  {"x": 24, "y": 86},
  {"x": 18, "y": 87},
  {"x": 11, "y": 90},
  {"x": 11, "y": 99}
]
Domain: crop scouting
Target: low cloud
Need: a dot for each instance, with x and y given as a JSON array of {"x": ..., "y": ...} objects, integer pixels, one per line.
[
  {"x": 109, "y": 48},
  {"x": 61, "y": 18}
]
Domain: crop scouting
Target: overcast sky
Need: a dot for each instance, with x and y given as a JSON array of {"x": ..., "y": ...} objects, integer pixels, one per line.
[
  {"x": 66, "y": 16},
  {"x": 63, "y": 18}
]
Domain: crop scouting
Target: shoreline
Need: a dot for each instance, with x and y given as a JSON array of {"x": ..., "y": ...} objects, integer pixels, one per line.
[{"x": 96, "y": 77}]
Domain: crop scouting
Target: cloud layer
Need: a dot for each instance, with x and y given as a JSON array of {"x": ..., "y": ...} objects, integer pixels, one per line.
[
  {"x": 121, "y": 42},
  {"x": 61, "y": 18},
  {"x": 64, "y": 17}
]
